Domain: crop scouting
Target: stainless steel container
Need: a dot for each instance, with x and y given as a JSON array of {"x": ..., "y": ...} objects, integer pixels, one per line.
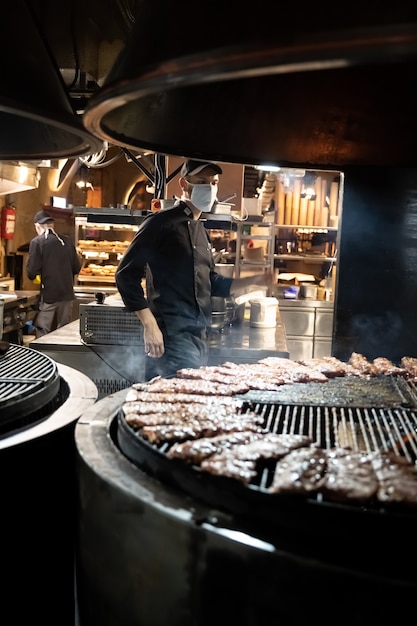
[
  {"x": 225, "y": 269},
  {"x": 308, "y": 290},
  {"x": 218, "y": 320}
]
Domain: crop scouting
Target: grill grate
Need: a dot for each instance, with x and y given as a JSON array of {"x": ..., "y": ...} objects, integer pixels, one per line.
[
  {"x": 360, "y": 429},
  {"x": 107, "y": 386},
  {"x": 22, "y": 370},
  {"x": 29, "y": 380},
  {"x": 363, "y": 429}
]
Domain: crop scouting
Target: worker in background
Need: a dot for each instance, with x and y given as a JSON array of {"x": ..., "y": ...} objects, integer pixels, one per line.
[
  {"x": 172, "y": 249},
  {"x": 54, "y": 259}
]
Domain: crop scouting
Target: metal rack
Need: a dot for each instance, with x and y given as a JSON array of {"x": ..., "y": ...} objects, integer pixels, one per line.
[
  {"x": 253, "y": 259},
  {"x": 113, "y": 230}
]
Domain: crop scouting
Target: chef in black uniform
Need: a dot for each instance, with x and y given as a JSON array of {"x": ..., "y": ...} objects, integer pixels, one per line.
[
  {"x": 53, "y": 258},
  {"x": 173, "y": 252}
]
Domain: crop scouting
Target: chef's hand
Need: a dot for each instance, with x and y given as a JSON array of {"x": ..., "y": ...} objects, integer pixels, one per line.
[{"x": 152, "y": 336}]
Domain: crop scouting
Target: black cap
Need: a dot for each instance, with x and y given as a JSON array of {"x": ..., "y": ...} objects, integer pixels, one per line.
[
  {"x": 191, "y": 167},
  {"x": 42, "y": 217}
]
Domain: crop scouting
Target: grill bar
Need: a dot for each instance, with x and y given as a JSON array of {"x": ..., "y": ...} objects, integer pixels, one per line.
[
  {"x": 23, "y": 370},
  {"x": 13, "y": 389},
  {"x": 362, "y": 429},
  {"x": 29, "y": 380}
]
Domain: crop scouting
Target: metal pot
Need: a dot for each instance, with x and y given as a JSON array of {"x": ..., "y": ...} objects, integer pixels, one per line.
[
  {"x": 235, "y": 312},
  {"x": 218, "y": 320},
  {"x": 218, "y": 304},
  {"x": 225, "y": 269}
]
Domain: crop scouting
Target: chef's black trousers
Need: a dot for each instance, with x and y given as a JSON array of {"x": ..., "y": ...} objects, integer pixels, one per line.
[{"x": 182, "y": 349}]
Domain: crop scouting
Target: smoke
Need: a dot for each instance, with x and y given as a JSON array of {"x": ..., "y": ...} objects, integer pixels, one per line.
[{"x": 378, "y": 335}]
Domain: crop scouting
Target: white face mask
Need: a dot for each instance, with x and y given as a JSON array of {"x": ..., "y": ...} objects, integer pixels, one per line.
[{"x": 203, "y": 197}]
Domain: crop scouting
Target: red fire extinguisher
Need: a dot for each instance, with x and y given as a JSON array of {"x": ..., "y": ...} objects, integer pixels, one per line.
[{"x": 8, "y": 222}]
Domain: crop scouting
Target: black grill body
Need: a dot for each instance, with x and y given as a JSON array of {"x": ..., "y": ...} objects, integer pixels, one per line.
[
  {"x": 40, "y": 402},
  {"x": 142, "y": 538}
]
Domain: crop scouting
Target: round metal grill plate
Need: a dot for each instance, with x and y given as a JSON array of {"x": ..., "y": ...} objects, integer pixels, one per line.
[{"x": 28, "y": 381}]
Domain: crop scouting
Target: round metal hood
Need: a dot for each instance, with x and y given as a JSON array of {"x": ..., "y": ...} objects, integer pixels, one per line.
[
  {"x": 36, "y": 118},
  {"x": 327, "y": 88}
]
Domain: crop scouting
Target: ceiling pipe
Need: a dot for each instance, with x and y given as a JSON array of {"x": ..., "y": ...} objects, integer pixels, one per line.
[{"x": 139, "y": 165}]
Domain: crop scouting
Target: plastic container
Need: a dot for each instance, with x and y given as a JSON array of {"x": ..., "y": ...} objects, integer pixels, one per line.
[{"x": 263, "y": 312}]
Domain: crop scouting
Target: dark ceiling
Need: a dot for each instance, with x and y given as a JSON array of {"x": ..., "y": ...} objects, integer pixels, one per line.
[
  {"x": 84, "y": 38},
  {"x": 55, "y": 57}
]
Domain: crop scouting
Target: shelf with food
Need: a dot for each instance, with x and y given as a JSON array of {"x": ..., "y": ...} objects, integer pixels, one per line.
[
  {"x": 92, "y": 271},
  {"x": 319, "y": 229},
  {"x": 101, "y": 256},
  {"x": 91, "y": 254},
  {"x": 109, "y": 279},
  {"x": 256, "y": 237},
  {"x": 264, "y": 263},
  {"x": 313, "y": 258},
  {"x": 101, "y": 246},
  {"x": 104, "y": 246}
]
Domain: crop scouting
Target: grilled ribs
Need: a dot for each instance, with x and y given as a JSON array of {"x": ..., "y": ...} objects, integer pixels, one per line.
[
  {"x": 188, "y": 385},
  {"x": 193, "y": 429},
  {"x": 241, "y": 461},
  {"x": 196, "y": 451},
  {"x": 198, "y": 414},
  {"x": 397, "y": 479},
  {"x": 300, "y": 471},
  {"x": 186, "y": 413}
]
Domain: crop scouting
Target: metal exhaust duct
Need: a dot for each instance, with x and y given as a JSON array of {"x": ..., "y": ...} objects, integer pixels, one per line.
[
  {"x": 289, "y": 86},
  {"x": 15, "y": 178},
  {"x": 36, "y": 118}
]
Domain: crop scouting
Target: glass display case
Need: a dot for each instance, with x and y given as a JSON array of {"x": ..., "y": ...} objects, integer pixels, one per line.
[{"x": 101, "y": 245}]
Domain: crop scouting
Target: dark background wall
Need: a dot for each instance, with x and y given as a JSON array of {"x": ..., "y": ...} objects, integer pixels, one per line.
[{"x": 376, "y": 305}]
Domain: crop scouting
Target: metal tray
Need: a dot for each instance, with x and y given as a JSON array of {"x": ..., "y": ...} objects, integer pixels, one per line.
[{"x": 376, "y": 392}]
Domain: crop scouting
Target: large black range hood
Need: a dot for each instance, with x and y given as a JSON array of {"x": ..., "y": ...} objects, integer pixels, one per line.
[
  {"x": 326, "y": 88},
  {"x": 37, "y": 120}
]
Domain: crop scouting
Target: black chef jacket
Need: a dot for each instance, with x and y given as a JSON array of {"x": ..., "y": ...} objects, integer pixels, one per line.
[
  {"x": 56, "y": 264},
  {"x": 174, "y": 252}
]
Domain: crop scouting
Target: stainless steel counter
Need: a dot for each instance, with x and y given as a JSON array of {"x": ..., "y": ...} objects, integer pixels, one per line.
[
  {"x": 243, "y": 344},
  {"x": 115, "y": 367},
  {"x": 309, "y": 327},
  {"x": 306, "y": 302},
  {"x": 19, "y": 307}
]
